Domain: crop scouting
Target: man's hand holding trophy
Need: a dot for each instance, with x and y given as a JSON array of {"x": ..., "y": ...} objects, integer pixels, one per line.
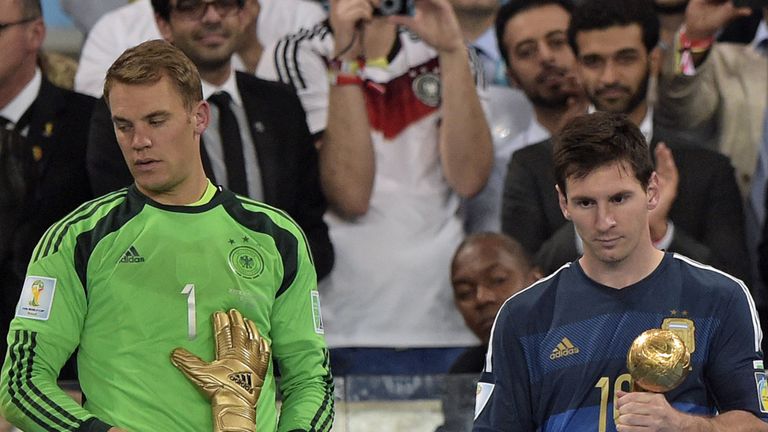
[{"x": 658, "y": 361}]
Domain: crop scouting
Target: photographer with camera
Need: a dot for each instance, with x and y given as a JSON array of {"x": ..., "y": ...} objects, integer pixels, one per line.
[{"x": 402, "y": 137}]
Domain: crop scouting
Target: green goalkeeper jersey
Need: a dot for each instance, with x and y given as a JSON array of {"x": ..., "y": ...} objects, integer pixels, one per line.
[{"x": 126, "y": 280}]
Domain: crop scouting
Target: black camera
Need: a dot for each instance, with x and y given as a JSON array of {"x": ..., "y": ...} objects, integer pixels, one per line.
[{"x": 394, "y": 7}]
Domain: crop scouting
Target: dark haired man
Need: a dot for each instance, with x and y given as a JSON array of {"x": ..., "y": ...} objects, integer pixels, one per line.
[
  {"x": 614, "y": 42},
  {"x": 532, "y": 37},
  {"x": 565, "y": 370},
  {"x": 402, "y": 137}
]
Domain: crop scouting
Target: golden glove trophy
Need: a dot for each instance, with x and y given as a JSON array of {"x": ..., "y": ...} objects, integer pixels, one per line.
[
  {"x": 658, "y": 361},
  {"x": 234, "y": 379}
]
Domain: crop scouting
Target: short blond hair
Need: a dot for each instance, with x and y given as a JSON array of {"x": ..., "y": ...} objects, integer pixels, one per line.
[{"x": 149, "y": 62}]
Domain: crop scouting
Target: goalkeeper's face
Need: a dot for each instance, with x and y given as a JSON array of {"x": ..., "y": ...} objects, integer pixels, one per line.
[{"x": 160, "y": 139}]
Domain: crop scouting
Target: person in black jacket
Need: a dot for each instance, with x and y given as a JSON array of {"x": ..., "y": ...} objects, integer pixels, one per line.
[
  {"x": 701, "y": 212},
  {"x": 42, "y": 158}
]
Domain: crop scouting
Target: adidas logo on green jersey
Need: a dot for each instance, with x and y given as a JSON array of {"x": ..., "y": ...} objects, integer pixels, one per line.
[
  {"x": 564, "y": 348},
  {"x": 131, "y": 256}
]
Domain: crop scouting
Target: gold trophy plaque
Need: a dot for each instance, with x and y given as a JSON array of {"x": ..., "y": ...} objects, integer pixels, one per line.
[{"x": 658, "y": 361}]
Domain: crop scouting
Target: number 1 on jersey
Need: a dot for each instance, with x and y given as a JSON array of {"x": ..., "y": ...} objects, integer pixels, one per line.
[{"x": 189, "y": 291}]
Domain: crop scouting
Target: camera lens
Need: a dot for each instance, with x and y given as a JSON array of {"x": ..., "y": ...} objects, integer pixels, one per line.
[{"x": 390, "y": 7}]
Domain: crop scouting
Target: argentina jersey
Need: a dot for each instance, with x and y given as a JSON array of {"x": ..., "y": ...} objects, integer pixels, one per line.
[{"x": 558, "y": 349}]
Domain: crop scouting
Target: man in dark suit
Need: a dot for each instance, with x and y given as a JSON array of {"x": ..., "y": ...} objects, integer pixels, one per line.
[
  {"x": 42, "y": 159},
  {"x": 700, "y": 214},
  {"x": 258, "y": 143}
]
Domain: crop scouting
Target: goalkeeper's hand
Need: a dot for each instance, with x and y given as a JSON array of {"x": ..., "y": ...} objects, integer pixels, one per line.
[{"x": 234, "y": 379}]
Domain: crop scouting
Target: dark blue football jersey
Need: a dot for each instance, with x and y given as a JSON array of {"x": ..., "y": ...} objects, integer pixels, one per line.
[{"x": 558, "y": 348}]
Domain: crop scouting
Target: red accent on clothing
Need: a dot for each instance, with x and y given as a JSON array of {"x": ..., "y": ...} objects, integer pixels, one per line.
[{"x": 396, "y": 107}]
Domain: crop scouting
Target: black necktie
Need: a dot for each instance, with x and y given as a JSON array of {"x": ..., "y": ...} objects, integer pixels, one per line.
[{"x": 231, "y": 143}]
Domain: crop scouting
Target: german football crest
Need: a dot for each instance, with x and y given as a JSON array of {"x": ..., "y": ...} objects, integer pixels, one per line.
[
  {"x": 246, "y": 262},
  {"x": 427, "y": 89},
  {"x": 684, "y": 329}
]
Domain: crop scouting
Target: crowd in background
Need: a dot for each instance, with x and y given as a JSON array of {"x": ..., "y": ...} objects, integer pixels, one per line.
[{"x": 416, "y": 155}]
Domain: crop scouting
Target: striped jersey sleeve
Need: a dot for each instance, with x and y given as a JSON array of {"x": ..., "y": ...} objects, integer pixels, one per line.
[
  {"x": 46, "y": 329},
  {"x": 298, "y": 343},
  {"x": 299, "y": 59},
  {"x": 734, "y": 377}
]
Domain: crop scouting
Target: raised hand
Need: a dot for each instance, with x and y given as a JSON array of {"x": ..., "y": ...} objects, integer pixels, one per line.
[
  {"x": 435, "y": 23},
  {"x": 577, "y": 102},
  {"x": 233, "y": 381},
  {"x": 668, "y": 176},
  {"x": 703, "y": 18},
  {"x": 346, "y": 16}
]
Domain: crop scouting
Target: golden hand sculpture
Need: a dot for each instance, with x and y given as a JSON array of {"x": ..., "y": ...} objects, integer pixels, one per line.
[{"x": 234, "y": 379}]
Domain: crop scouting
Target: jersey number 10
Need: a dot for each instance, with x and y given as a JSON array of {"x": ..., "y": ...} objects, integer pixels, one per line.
[{"x": 604, "y": 384}]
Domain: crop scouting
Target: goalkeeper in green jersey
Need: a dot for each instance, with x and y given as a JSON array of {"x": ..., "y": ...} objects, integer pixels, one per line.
[{"x": 137, "y": 274}]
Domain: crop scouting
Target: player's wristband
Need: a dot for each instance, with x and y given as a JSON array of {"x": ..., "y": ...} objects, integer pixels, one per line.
[
  {"x": 686, "y": 48},
  {"x": 696, "y": 46},
  {"x": 345, "y": 72}
]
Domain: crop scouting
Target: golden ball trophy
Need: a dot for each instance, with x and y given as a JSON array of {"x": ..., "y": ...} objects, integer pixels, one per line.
[{"x": 658, "y": 361}]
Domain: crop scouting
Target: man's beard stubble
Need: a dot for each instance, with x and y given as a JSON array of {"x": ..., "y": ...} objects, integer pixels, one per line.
[
  {"x": 632, "y": 103},
  {"x": 558, "y": 99}
]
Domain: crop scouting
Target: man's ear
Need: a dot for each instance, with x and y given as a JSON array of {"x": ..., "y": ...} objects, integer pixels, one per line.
[
  {"x": 563, "y": 201},
  {"x": 202, "y": 118},
  {"x": 652, "y": 191},
  {"x": 36, "y": 34}
]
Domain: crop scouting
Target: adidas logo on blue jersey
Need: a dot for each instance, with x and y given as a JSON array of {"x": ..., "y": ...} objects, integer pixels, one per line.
[
  {"x": 131, "y": 256},
  {"x": 564, "y": 348}
]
